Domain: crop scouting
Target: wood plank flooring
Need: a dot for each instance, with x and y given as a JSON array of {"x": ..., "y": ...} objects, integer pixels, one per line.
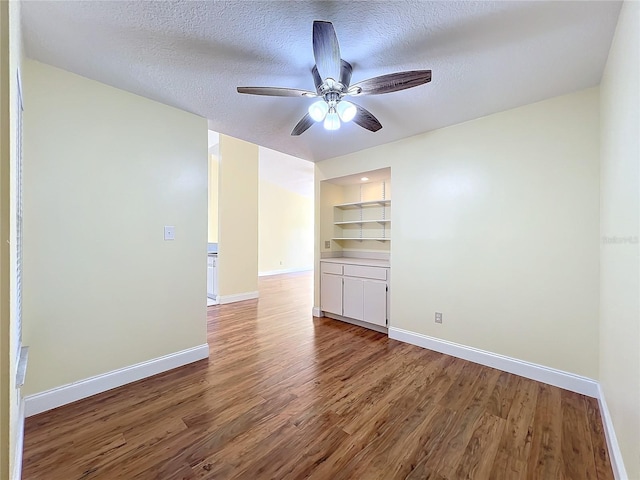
[{"x": 287, "y": 396}]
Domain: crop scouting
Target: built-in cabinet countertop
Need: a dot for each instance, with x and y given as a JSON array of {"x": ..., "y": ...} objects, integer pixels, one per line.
[{"x": 368, "y": 262}]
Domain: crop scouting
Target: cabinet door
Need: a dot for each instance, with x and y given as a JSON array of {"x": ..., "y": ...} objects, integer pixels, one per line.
[
  {"x": 331, "y": 293},
  {"x": 375, "y": 302},
  {"x": 215, "y": 279},
  {"x": 353, "y": 300},
  {"x": 210, "y": 281}
]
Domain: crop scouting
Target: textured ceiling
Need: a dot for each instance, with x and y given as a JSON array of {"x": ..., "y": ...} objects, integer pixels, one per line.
[
  {"x": 287, "y": 172},
  {"x": 372, "y": 176},
  {"x": 485, "y": 57}
]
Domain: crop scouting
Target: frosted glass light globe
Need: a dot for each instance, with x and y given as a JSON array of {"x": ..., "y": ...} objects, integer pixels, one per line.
[
  {"x": 332, "y": 121},
  {"x": 318, "y": 110},
  {"x": 346, "y": 110}
]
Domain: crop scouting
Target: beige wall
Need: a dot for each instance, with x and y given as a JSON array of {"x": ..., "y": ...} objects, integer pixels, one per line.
[
  {"x": 327, "y": 195},
  {"x": 619, "y": 252},
  {"x": 213, "y": 199},
  {"x": 285, "y": 229},
  {"x": 5, "y": 259},
  {"x": 105, "y": 171},
  {"x": 10, "y": 62},
  {"x": 237, "y": 217},
  {"x": 495, "y": 224}
]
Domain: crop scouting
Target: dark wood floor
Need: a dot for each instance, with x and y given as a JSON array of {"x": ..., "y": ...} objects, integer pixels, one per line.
[{"x": 286, "y": 396}]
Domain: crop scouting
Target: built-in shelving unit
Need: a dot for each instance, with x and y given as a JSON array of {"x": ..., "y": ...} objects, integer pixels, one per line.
[
  {"x": 367, "y": 220},
  {"x": 355, "y": 248}
]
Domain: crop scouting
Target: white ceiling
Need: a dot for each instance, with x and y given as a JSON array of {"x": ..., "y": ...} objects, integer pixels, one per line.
[
  {"x": 214, "y": 142},
  {"x": 290, "y": 173},
  {"x": 485, "y": 57},
  {"x": 372, "y": 176}
]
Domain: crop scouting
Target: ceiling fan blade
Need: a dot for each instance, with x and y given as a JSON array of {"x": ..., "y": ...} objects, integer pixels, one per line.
[
  {"x": 392, "y": 82},
  {"x": 326, "y": 50},
  {"x": 302, "y": 125},
  {"x": 277, "y": 91},
  {"x": 365, "y": 119},
  {"x": 317, "y": 81},
  {"x": 345, "y": 72}
]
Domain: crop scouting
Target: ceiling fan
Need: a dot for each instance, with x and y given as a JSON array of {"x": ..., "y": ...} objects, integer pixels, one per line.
[{"x": 332, "y": 79}]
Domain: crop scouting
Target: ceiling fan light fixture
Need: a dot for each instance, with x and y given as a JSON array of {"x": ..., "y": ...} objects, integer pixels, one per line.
[
  {"x": 332, "y": 120},
  {"x": 332, "y": 81},
  {"x": 346, "y": 110},
  {"x": 318, "y": 110}
]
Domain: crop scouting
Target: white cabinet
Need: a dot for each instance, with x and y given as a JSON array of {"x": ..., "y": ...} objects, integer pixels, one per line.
[
  {"x": 331, "y": 293},
  {"x": 365, "y": 300},
  {"x": 353, "y": 299},
  {"x": 375, "y": 302},
  {"x": 355, "y": 291},
  {"x": 212, "y": 276}
]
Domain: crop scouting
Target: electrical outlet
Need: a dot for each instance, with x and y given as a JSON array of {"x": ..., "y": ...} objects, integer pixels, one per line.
[
  {"x": 438, "y": 317},
  {"x": 169, "y": 232},
  {"x": 327, "y": 244}
]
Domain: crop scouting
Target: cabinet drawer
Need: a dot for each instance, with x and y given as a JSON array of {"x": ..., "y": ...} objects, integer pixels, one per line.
[
  {"x": 334, "y": 268},
  {"x": 376, "y": 273}
]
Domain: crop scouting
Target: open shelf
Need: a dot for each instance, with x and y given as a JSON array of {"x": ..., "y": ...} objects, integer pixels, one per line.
[
  {"x": 364, "y": 220},
  {"x": 360, "y": 222},
  {"x": 363, "y": 204},
  {"x": 357, "y": 225},
  {"x": 378, "y": 239}
]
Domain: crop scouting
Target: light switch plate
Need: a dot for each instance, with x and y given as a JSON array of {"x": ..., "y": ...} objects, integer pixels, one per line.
[{"x": 169, "y": 232}]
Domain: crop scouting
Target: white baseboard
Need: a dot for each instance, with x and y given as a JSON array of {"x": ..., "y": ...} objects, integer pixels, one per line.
[
  {"x": 284, "y": 270},
  {"x": 615, "y": 455},
  {"x": 56, "y": 397},
  {"x": 17, "y": 459},
  {"x": 237, "y": 297},
  {"x": 557, "y": 378},
  {"x": 316, "y": 312}
]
